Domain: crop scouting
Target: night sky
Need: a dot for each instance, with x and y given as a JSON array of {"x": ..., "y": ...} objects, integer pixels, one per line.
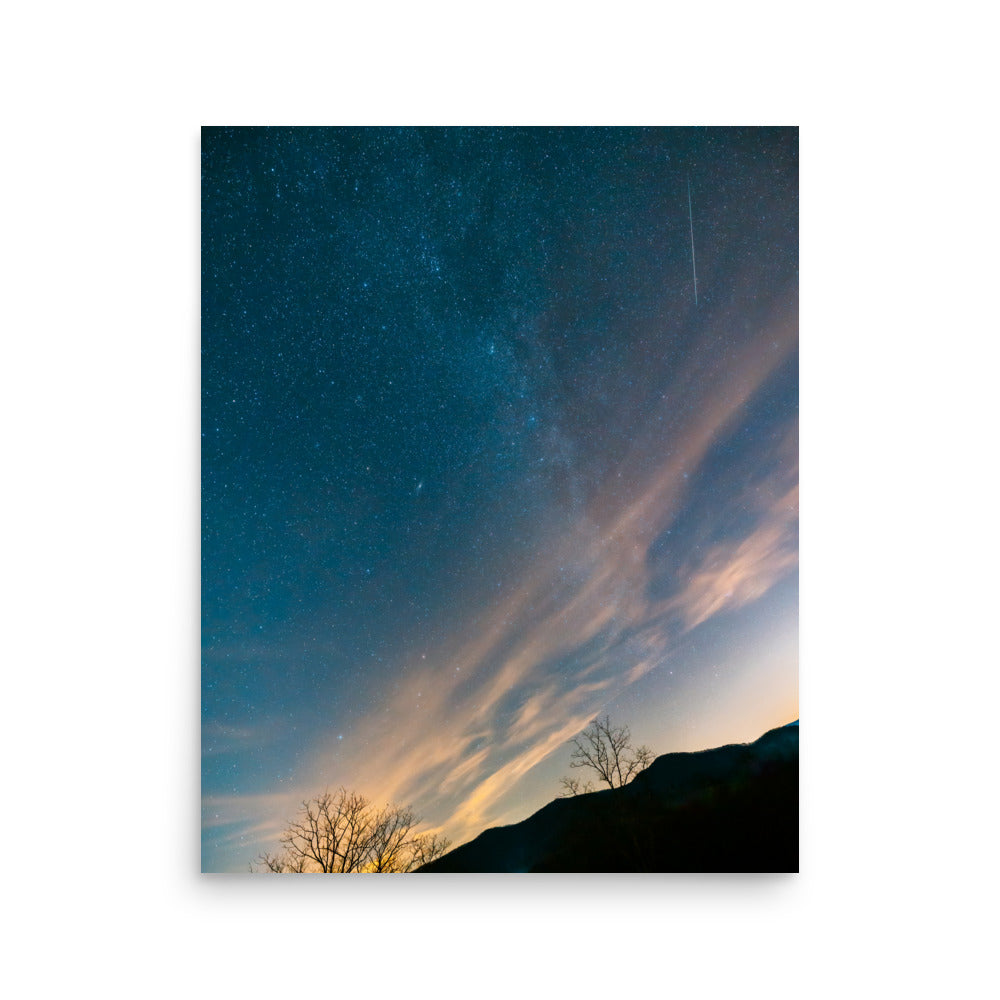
[{"x": 476, "y": 466}]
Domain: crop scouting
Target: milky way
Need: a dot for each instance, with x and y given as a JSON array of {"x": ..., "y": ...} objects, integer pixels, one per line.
[{"x": 477, "y": 466}]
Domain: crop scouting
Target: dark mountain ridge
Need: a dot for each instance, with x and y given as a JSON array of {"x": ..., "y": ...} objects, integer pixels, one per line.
[{"x": 733, "y": 808}]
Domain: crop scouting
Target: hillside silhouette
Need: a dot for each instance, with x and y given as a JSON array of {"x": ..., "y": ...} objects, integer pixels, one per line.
[{"x": 729, "y": 809}]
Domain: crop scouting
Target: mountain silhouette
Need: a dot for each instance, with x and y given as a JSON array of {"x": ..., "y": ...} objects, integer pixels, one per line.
[{"x": 730, "y": 809}]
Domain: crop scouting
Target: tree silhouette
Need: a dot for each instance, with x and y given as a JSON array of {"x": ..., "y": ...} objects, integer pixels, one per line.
[
  {"x": 343, "y": 832},
  {"x": 608, "y": 751},
  {"x": 574, "y": 786}
]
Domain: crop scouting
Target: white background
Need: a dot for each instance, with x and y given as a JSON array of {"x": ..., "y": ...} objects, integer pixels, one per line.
[{"x": 100, "y": 396}]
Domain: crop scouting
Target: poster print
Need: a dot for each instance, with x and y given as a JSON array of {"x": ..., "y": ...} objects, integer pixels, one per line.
[{"x": 499, "y": 499}]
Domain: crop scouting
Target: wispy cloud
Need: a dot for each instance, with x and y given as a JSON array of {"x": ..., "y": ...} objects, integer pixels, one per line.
[
  {"x": 245, "y": 825},
  {"x": 466, "y": 725},
  {"x": 218, "y": 738}
]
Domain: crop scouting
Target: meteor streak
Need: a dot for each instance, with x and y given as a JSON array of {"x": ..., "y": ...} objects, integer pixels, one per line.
[{"x": 691, "y": 223}]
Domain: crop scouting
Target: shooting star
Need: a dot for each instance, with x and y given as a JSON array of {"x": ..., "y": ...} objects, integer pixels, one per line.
[{"x": 691, "y": 223}]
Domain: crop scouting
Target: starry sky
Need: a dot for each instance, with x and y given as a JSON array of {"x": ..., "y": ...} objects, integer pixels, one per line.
[{"x": 499, "y": 432}]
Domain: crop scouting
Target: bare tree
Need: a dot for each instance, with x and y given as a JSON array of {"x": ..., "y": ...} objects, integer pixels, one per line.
[
  {"x": 279, "y": 863},
  {"x": 427, "y": 847},
  {"x": 343, "y": 832},
  {"x": 574, "y": 786},
  {"x": 608, "y": 751}
]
